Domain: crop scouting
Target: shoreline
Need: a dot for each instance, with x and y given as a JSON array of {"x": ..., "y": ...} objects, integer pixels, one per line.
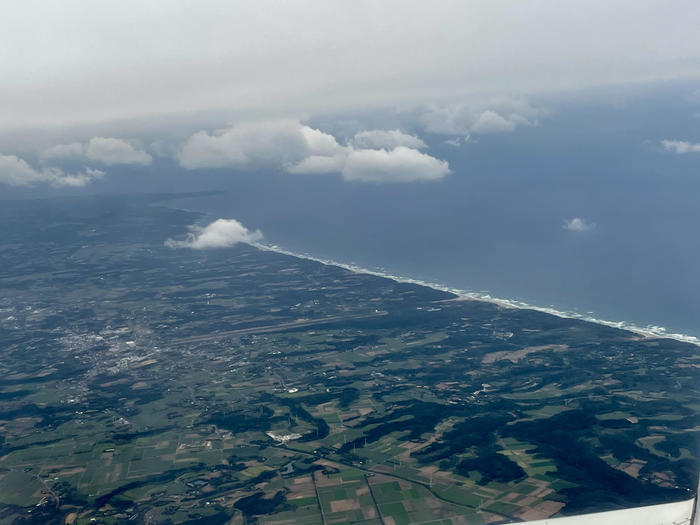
[
  {"x": 657, "y": 332},
  {"x": 650, "y": 331}
]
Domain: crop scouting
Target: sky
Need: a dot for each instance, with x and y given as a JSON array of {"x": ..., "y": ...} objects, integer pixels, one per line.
[
  {"x": 65, "y": 63},
  {"x": 503, "y": 145},
  {"x": 118, "y": 82}
]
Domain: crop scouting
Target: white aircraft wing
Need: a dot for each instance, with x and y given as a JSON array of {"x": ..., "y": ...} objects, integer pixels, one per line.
[{"x": 680, "y": 513}]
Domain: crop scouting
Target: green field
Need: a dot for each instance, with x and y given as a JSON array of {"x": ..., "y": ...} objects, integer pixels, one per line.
[{"x": 146, "y": 385}]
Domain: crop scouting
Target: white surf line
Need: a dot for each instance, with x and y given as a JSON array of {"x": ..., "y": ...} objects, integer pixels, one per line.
[{"x": 649, "y": 331}]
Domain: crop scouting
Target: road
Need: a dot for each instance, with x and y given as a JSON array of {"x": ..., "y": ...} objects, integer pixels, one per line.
[{"x": 398, "y": 476}]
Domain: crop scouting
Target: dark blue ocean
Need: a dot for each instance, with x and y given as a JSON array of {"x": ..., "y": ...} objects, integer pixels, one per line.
[{"x": 495, "y": 224}]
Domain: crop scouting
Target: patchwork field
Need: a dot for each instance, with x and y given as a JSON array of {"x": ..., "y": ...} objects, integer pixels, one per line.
[{"x": 142, "y": 384}]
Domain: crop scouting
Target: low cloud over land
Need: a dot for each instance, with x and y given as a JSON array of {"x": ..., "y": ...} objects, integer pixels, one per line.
[{"x": 222, "y": 233}]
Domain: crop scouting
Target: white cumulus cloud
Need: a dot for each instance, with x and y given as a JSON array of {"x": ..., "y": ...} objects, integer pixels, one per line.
[
  {"x": 103, "y": 150},
  {"x": 495, "y": 116},
  {"x": 401, "y": 164},
  {"x": 75, "y": 150},
  {"x": 386, "y": 139},
  {"x": 222, "y": 233},
  {"x": 15, "y": 171},
  {"x": 290, "y": 146},
  {"x": 491, "y": 122},
  {"x": 320, "y": 143},
  {"x": 273, "y": 143},
  {"x": 76, "y": 180},
  {"x": 680, "y": 146},
  {"x": 320, "y": 164},
  {"x": 115, "y": 151},
  {"x": 577, "y": 224}
]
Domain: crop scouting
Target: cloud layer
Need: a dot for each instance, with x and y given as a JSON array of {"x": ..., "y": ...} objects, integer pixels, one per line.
[
  {"x": 222, "y": 233},
  {"x": 288, "y": 145},
  {"x": 103, "y": 150},
  {"x": 15, "y": 171},
  {"x": 79, "y": 65},
  {"x": 680, "y": 146}
]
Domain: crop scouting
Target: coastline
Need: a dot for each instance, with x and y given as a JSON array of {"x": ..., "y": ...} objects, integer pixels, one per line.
[
  {"x": 658, "y": 332},
  {"x": 651, "y": 331}
]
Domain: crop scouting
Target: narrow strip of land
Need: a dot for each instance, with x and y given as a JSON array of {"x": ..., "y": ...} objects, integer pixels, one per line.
[{"x": 318, "y": 499}]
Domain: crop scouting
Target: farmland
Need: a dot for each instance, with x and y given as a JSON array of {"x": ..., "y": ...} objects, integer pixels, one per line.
[{"x": 148, "y": 384}]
